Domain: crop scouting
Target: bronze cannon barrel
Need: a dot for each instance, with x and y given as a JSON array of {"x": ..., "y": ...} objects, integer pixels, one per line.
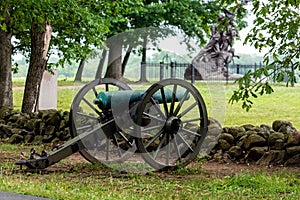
[{"x": 104, "y": 99}]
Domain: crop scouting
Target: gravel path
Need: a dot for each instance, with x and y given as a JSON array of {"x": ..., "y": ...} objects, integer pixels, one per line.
[{"x": 14, "y": 196}]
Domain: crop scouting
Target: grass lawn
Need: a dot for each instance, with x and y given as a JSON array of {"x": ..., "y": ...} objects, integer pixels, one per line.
[
  {"x": 71, "y": 179},
  {"x": 81, "y": 180},
  {"x": 282, "y": 104},
  {"x": 20, "y": 82}
]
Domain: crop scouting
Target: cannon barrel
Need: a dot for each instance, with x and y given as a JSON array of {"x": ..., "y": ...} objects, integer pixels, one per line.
[{"x": 128, "y": 97}]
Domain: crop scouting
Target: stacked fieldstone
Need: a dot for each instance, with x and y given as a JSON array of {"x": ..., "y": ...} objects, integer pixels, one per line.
[
  {"x": 47, "y": 126},
  {"x": 265, "y": 145}
]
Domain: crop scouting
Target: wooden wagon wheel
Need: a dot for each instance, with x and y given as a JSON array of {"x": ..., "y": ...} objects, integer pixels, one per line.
[
  {"x": 109, "y": 144},
  {"x": 177, "y": 124}
]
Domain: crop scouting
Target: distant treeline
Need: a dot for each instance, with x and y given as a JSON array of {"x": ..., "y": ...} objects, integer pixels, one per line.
[{"x": 133, "y": 66}]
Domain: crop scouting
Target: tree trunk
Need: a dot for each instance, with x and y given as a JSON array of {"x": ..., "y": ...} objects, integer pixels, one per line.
[
  {"x": 144, "y": 51},
  {"x": 101, "y": 64},
  {"x": 143, "y": 63},
  {"x": 114, "y": 68},
  {"x": 78, "y": 76},
  {"x": 6, "y": 97},
  {"x": 40, "y": 41},
  {"x": 125, "y": 60}
]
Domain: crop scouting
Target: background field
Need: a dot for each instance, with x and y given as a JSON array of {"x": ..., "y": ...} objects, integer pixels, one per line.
[
  {"x": 282, "y": 104},
  {"x": 75, "y": 178}
]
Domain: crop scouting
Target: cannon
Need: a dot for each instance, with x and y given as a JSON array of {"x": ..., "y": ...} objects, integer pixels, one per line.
[{"x": 110, "y": 123}]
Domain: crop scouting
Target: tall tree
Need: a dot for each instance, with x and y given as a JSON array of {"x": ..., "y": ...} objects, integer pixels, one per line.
[
  {"x": 6, "y": 98},
  {"x": 114, "y": 60},
  {"x": 40, "y": 42},
  {"x": 79, "y": 72},
  {"x": 78, "y": 29},
  {"x": 119, "y": 23},
  {"x": 101, "y": 64}
]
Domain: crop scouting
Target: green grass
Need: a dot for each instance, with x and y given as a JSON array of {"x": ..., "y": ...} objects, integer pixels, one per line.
[
  {"x": 86, "y": 181},
  {"x": 20, "y": 82},
  {"x": 283, "y": 104},
  {"x": 104, "y": 184}
]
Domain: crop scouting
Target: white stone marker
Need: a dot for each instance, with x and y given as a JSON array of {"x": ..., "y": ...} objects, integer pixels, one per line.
[{"x": 48, "y": 91}]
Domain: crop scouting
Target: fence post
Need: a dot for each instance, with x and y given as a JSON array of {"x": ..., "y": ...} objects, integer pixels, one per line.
[
  {"x": 172, "y": 69},
  {"x": 227, "y": 73},
  {"x": 143, "y": 72},
  {"x": 161, "y": 71},
  {"x": 237, "y": 68},
  {"x": 274, "y": 76},
  {"x": 293, "y": 76},
  {"x": 193, "y": 74}
]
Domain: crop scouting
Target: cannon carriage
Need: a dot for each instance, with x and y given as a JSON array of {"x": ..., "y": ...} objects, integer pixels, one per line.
[{"x": 110, "y": 123}]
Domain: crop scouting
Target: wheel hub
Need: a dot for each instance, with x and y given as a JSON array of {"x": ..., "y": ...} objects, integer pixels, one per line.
[{"x": 173, "y": 124}]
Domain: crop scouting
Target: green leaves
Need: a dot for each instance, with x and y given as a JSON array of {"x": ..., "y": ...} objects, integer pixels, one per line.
[
  {"x": 276, "y": 27},
  {"x": 251, "y": 86},
  {"x": 79, "y": 27},
  {"x": 3, "y": 27}
]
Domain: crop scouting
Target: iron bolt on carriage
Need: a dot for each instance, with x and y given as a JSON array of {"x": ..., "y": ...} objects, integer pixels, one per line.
[{"x": 164, "y": 125}]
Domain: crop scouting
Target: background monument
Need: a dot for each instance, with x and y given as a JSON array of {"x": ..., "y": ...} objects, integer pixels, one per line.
[{"x": 211, "y": 61}]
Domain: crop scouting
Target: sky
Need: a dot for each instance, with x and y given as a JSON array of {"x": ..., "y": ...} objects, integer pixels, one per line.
[
  {"x": 246, "y": 48},
  {"x": 173, "y": 44}
]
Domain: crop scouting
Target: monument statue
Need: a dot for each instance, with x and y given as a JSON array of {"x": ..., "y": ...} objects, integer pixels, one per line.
[{"x": 210, "y": 63}]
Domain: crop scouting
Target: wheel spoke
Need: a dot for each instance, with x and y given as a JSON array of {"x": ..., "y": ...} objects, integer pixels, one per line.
[
  {"x": 183, "y": 140},
  {"x": 118, "y": 146},
  {"x": 84, "y": 127},
  {"x": 154, "y": 138},
  {"x": 191, "y": 132},
  {"x": 125, "y": 138},
  {"x": 107, "y": 148},
  {"x": 86, "y": 115},
  {"x": 173, "y": 100},
  {"x": 96, "y": 148},
  {"x": 181, "y": 103},
  {"x": 153, "y": 117},
  {"x": 159, "y": 146},
  {"x": 162, "y": 91},
  {"x": 95, "y": 91},
  {"x": 191, "y": 120},
  {"x": 176, "y": 145},
  {"x": 157, "y": 108},
  {"x": 91, "y": 125},
  {"x": 187, "y": 110},
  {"x": 168, "y": 149},
  {"x": 91, "y": 105}
]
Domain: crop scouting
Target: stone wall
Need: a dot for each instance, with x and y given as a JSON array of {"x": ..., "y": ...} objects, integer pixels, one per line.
[
  {"x": 278, "y": 144},
  {"x": 48, "y": 126}
]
